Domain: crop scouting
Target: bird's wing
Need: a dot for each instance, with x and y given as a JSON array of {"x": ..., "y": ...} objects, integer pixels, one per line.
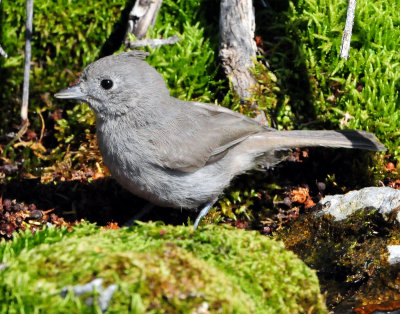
[{"x": 200, "y": 134}]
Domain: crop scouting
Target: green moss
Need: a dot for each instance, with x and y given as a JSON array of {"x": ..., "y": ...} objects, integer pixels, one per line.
[
  {"x": 158, "y": 269},
  {"x": 66, "y": 36},
  {"x": 366, "y": 86},
  {"x": 190, "y": 66},
  {"x": 321, "y": 88}
]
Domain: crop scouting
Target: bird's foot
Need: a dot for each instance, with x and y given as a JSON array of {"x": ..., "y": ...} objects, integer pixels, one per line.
[{"x": 202, "y": 213}]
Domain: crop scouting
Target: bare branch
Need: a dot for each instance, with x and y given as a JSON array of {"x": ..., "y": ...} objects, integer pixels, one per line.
[
  {"x": 153, "y": 43},
  {"x": 238, "y": 48},
  {"x": 142, "y": 16},
  {"x": 28, "y": 38},
  {"x": 2, "y": 52},
  {"x": 345, "y": 47}
]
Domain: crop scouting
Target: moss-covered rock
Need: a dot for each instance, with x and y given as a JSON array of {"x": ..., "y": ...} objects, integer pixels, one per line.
[{"x": 157, "y": 268}]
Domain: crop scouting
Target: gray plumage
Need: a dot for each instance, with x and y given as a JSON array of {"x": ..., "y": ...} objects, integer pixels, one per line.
[{"x": 176, "y": 153}]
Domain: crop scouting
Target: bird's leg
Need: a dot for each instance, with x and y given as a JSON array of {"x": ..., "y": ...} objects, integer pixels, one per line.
[
  {"x": 146, "y": 208},
  {"x": 203, "y": 212}
]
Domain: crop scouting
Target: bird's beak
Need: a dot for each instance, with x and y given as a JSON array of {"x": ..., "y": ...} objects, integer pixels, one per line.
[{"x": 71, "y": 92}]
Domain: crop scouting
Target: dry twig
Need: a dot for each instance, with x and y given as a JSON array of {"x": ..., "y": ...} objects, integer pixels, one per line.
[
  {"x": 28, "y": 39},
  {"x": 238, "y": 48},
  {"x": 142, "y": 16},
  {"x": 153, "y": 43},
  {"x": 345, "y": 47},
  {"x": 2, "y": 52}
]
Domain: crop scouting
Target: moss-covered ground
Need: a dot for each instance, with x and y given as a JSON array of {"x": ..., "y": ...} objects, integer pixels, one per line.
[{"x": 158, "y": 269}]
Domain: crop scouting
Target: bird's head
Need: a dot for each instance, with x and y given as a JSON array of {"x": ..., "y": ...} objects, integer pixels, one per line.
[{"x": 116, "y": 84}]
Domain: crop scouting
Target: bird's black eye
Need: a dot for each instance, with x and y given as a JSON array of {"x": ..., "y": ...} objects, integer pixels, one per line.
[{"x": 106, "y": 84}]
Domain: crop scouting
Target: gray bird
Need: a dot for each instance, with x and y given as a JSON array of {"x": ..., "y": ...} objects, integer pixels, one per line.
[{"x": 177, "y": 153}]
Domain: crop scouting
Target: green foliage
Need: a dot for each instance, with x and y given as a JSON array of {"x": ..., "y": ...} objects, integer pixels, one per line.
[
  {"x": 75, "y": 128},
  {"x": 186, "y": 65},
  {"x": 156, "y": 268},
  {"x": 67, "y": 35},
  {"x": 290, "y": 107},
  {"x": 365, "y": 87},
  {"x": 189, "y": 66},
  {"x": 361, "y": 92},
  {"x": 270, "y": 99}
]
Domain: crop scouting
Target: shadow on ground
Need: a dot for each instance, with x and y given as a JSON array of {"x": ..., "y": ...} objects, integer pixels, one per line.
[
  {"x": 104, "y": 200},
  {"x": 101, "y": 201}
]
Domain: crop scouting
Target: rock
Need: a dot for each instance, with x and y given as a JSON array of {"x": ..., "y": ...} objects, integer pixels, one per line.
[
  {"x": 383, "y": 199},
  {"x": 394, "y": 254}
]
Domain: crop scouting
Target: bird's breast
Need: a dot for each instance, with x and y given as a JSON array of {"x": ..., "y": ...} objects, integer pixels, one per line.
[{"x": 129, "y": 159}]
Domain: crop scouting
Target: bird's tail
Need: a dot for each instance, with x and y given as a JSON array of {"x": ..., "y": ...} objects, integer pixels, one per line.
[
  {"x": 334, "y": 139},
  {"x": 268, "y": 146}
]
